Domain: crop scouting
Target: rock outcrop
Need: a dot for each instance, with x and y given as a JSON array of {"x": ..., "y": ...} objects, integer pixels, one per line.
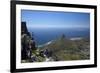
[{"x": 27, "y": 43}]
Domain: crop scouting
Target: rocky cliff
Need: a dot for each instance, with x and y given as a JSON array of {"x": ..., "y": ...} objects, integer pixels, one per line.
[{"x": 27, "y": 43}]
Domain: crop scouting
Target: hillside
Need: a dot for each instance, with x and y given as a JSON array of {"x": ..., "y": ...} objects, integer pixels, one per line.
[{"x": 66, "y": 49}]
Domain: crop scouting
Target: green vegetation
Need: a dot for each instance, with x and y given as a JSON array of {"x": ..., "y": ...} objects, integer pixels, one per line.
[{"x": 65, "y": 49}]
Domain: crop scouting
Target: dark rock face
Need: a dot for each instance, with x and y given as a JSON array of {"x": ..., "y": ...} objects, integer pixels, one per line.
[
  {"x": 24, "y": 29},
  {"x": 27, "y": 43}
]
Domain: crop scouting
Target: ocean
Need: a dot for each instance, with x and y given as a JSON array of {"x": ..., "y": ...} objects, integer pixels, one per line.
[{"x": 45, "y": 35}]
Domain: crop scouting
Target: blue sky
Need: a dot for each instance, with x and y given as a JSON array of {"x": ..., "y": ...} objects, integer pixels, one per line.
[{"x": 50, "y": 19}]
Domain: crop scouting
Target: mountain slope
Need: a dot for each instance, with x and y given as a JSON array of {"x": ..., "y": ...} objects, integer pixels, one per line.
[{"x": 65, "y": 49}]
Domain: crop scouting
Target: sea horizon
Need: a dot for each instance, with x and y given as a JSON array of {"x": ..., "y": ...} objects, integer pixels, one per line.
[{"x": 42, "y": 36}]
